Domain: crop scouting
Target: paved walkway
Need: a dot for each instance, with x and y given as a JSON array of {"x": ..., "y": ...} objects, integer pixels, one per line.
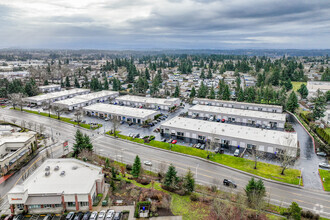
[
  {"x": 167, "y": 218},
  {"x": 4, "y": 178}
]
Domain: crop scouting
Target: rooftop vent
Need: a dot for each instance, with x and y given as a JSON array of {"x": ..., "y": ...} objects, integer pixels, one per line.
[
  {"x": 56, "y": 168},
  {"x": 74, "y": 167},
  {"x": 47, "y": 168},
  {"x": 47, "y": 173},
  {"x": 62, "y": 173}
]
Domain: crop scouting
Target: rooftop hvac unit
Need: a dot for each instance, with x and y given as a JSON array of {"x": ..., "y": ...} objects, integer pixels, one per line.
[
  {"x": 62, "y": 173},
  {"x": 47, "y": 168},
  {"x": 74, "y": 167},
  {"x": 56, "y": 168},
  {"x": 47, "y": 173}
]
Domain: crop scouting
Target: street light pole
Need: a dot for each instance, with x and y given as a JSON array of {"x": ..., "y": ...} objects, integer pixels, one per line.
[
  {"x": 300, "y": 175},
  {"x": 196, "y": 170}
]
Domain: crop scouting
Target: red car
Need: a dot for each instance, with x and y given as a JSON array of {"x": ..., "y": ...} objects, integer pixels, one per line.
[{"x": 174, "y": 141}]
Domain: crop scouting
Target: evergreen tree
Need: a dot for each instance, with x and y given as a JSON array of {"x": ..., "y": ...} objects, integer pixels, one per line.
[
  {"x": 255, "y": 192},
  {"x": 202, "y": 91},
  {"x": 154, "y": 86},
  {"x": 171, "y": 178},
  {"x": 212, "y": 93},
  {"x": 320, "y": 103},
  {"x": 106, "y": 84},
  {"x": 303, "y": 91},
  {"x": 294, "y": 211},
  {"x": 226, "y": 93},
  {"x": 275, "y": 77},
  {"x": 209, "y": 74},
  {"x": 31, "y": 88},
  {"x": 221, "y": 86},
  {"x": 79, "y": 142},
  {"x": 67, "y": 82},
  {"x": 46, "y": 83},
  {"x": 177, "y": 91},
  {"x": 192, "y": 93},
  {"x": 240, "y": 95},
  {"x": 292, "y": 103},
  {"x": 326, "y": 75},
  {"x": 87, "y": 143},
  {"x": 76, "y": 83},
  {"x": 147, "y": 74},
  {"x": 136, "y": 169},
  {"x": 202, "y": 76},
  {"x": 189, "y": 182}
]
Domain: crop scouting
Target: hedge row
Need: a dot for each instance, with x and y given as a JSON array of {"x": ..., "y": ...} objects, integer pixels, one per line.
[{"x": 321, "y": 132}]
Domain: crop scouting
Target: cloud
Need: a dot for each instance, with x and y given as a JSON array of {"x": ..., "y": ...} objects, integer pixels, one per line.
[{"x": 115, "y": 24}]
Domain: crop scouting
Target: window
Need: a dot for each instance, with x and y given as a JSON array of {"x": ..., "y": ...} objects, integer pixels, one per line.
[
  {"x": 58, "y": 205},
  {"x": 47, "y": 206},
  {"x": 34, "y": 206},
  {"x": 20, "y": 206},
  {"x": 84, "y": 204},
  {"x": 180, "y": 134},
  {"x": 251, "y": 146},
  {"x": 200, "y": 137},
  {"x": 71, "y": 204},
  {"x": 259, "y": 109}
]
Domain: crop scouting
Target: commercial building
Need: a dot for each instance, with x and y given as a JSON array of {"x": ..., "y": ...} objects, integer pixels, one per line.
[
  {"x": 239, "y": 116},
  {"x": 55, "y": 96},
  {"x": 147, "y": 102},
  {"x": 14, "y": 147},
  {"x": 124, "y": 113},
  {"x": 313, "y": 86},
  {"x": 85, "y": 100},
  {"x": 58, "y": 185},
  {"x": 230, "y": 136},
  {"x": 50, "y": 88},
  {"x": 239, "y": 105}
]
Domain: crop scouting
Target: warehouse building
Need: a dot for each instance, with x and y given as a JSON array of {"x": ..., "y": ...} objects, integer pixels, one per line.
[
  {"x": 50, "y": 88},
  {"x": 239, "y": 116},
  {"x": 230, "y": 136},
  {"x": 147, "y": 102},
  {"x": 55, "y": 96},
  {"x": 85, "y": 100},
  {"x": 313, "y": 86},
  {"x": 58, "y": 185},
  {"x": 123, "y": 113},
  {"x": 14, "y": 147},
  {"x": 239, "y": 105}
]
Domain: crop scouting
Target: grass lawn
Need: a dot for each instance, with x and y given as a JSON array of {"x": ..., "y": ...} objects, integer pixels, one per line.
[
  {"x": 296, "y": 85},
  {"x": 265, "y": 170},
  {"x": 326, "y": 182},
  {"x": 327, "y": 130},
  {"x": 68, "y": 120}
]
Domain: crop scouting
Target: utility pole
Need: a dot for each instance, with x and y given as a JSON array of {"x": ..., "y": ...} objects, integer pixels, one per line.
[{"x": 196, "y": 171}]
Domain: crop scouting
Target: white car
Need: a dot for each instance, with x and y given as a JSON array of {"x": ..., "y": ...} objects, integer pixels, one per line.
[
  {"x": 101, "y": 215},
  {"x": 236, "y": 153},
  {"x": 110, "y": 215},
  {"x": 147, "y": 163},
  {"x": 93, "y": 216},
  {"x": 106, "y": 119},
  {"x": 324, "y": 165}
]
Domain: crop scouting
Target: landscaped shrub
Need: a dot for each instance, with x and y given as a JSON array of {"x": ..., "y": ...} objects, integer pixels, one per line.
[
  {"x": 194, "y": 197},
  {"x": 309, "y": 215},
  {"x": 143, "y": 181},
  {"x": 152, "y": 137},
  {"x": 321, "y": 132},
  {"x": 129, "y": 167}
]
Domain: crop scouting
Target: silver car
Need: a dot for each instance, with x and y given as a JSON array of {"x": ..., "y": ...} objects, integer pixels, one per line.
[
  {"x": 110, "y": 215},
  {"x": 101, "y": 215},
  {"x": 93, "y": 216},
  {"x": 324, "y": 165}
]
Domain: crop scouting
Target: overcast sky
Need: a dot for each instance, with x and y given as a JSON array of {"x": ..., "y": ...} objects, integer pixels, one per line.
[{"x": 182, "y": 24}]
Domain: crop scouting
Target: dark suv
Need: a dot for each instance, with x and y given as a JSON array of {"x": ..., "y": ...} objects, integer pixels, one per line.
[{"x": 229, "y": 183}]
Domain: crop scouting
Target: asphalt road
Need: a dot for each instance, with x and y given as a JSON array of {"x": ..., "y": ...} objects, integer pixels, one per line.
[{"x": 205, "y": 172}]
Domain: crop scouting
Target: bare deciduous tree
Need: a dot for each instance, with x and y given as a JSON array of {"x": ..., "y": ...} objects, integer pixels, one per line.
[
  {"x": 17, "y": 99},
  {"x": 58, "y": 111},
  {"x": 115, "y": 122},
  {"x": 287, "y": 158},
  {"x": 48, "y": 106},
  {"x": 42, "y": 128},
  {"x": 78, "y": 115},
  {"x": 23, "y": 124},
  {"x": 30, "y": 124},
  {"x": 256, "y": 155}
]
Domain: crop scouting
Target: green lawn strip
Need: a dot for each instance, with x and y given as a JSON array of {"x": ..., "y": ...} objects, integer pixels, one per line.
[
  {"x": 68, "y": 120},
  {"x": 265, "y": 170},
  {"x": 296, "y": 85},
  {"x": 327, "y": 130},
  {"x": 326, "y": 182}
]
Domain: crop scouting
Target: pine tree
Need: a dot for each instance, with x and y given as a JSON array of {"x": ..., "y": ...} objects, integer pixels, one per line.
[
  {"x": 240, "y": 95},
  {"x": 147, "y": 74},
  {"x": 177, "y": 91},
  {"x": 326, "y": 75},
  {"x": 226, "y": 93},
  {"x": 294, "y": 211},
  {"x": 171, "y": 178},
  {"x": 106, "y": 84},
  {"x": 189, "y": 182},
  {"x": 209, "y": 74},
  {"x": 136, "y": 169},
  {"x": 79, "y": 143},
  {"x": 303, "y": 91},
  {"x": 255, "y": 192},
  {"x": 76, "y": 83},
  {"x": 212, "y": 93},
  {"x": 67, "y": 82},
  {"x": 292, "y": 103},
  {"x": 87, "y": 143},
  {"x": 320, "y": 103},
  {"x": 202, "y": 76},
  {"x": 192, "y": 93},
  {"x": 46, "y": 83}
]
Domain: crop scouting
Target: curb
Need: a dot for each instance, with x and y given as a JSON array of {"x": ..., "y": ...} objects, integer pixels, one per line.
[
  {"x": 211, "y": 162},
  {"x": 318, "y": 170},
  {"x": 304, "y": 129}
]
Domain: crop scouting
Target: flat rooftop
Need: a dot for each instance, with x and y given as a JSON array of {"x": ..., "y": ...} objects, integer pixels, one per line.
[
  {"x": 50, "y": 86},
  {"x": 147, "y": 100},
  {"x": 238, "y": 103},
  {"x": 239, "y": 112},
  {"x": 85, "y": 98},
  {"x": 16, "y": 137},
  {"x": 79, "y": 178},
  {"x": 234, "y": 131},
  {"x": 121, "y": 110},
  {"x": 53, "y": 95}
]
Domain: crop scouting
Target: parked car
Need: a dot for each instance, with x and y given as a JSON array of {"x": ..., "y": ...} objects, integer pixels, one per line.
[
  {"x": 19, "y": 217},
  {"x": 324, "y": 165},
  {"x": 48, "y": 217},
  {"x": 205, "y": 118},
  {"x": 198, "y": 145},
  {"x": 147, "y": 163},
  {"x": 229, "y": 183},
  {"x": 217, "y": 150},
  {"x": 117, "y": 216},
  {"x": 101, "y": 215},
  {"x": 93, "y": 216},
  {"x": 106, "y": 119},
  {"x": 122, "y": 122},
  {"x": 130, "y": 123},
  {"x": 69, "y": 216},
  {"x": 110, "y": 215},
  {"x": 323, "y": 154},
  {"x": 170, "y": 141},
  {"x": 78, "y": 216},
  {"x": 223, "y": 120},
  {"x": 164, "y": 140},
  {"x": 137, "y": 135},
  {"x": 202, "y": 147},
  {"x": 236, "y": 153},
  {"x": 86, "y": 216},
  {"x": 174, "y": 142}
]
